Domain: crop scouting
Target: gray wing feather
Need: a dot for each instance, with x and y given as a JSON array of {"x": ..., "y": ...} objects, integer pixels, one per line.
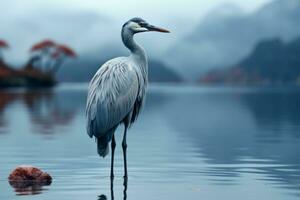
[
  {"x": 140, "y": 101},
  {"x": 112, "y": 94}
]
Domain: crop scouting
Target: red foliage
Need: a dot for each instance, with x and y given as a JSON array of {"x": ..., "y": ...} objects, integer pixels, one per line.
[
  {"x": 29, "y": 175},
  {"x": 42, "y": 45},
  {"x": 65, "y": 50},
  {"x": 28, "y": 180},
  {"x": 3, "y": 44}
]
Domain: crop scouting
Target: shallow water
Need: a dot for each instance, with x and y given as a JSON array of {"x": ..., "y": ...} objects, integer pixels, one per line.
[{"x": 189, "y": 143}]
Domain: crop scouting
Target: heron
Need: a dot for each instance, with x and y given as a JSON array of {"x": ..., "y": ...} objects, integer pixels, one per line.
[{"x": 117, "y": 91}]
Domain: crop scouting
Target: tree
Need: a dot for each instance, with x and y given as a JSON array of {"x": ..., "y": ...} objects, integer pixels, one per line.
[
  {"x": 41, "y": 54},
  {"x": 3, "y": 45},
  {"x": 59, "y": 55}
]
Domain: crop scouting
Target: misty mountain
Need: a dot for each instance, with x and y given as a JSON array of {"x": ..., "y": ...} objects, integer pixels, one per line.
[
  {"x": 272, "y": 61},
  {"x": 83, "y": 69},
  {"x": 86, "y": 31},
  {"x": 80, "y": 29},
  {"x": 159, "y": 72},
  {"x": 227, "y": 35}
]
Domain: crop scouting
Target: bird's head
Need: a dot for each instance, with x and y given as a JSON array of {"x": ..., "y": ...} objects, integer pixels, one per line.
[{"x": 138, "y": 25}]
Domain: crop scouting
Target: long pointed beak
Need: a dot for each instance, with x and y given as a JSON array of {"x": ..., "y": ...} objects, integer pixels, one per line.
[{"x": 157, "y": 29}]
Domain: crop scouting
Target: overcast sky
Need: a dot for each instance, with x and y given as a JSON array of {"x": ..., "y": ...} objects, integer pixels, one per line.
[
  {"x": 121, "y": 9},
  {"x": 81, "y": 22}
]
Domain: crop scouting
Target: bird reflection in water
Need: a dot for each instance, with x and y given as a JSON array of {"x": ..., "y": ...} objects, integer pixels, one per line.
[{"x": 125, "y": 184}]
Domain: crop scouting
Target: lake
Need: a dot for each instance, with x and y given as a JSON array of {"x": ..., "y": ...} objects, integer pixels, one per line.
[{"x": 189, "y": 143}]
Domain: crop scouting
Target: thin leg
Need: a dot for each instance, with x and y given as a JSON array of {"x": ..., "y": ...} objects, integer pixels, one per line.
[
  {"x": 125, "y": 189},
  {"x": 113, "y": 146},
  {"x": 112, "y": 189},
  {"x": 124, "y": 146}
]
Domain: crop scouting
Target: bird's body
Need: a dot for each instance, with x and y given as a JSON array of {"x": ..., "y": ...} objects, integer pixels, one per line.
[
  {"x": 117, "y": 91},
  {"x": 112, "y": 100}
]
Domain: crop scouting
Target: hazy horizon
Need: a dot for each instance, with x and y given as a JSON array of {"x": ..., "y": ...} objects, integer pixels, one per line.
[{"x": 91, "y": 25}]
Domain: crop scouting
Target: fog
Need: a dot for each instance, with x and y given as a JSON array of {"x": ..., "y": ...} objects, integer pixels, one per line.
[{"x": 91, "y": 26}]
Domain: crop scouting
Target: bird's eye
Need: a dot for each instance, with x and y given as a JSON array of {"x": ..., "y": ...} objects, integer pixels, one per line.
[{"x": 143, "y": 23}]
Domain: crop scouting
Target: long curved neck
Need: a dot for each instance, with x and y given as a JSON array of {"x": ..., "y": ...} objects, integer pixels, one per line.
[
  {"x": 136, "y": 50},
  {"x": 137, "y": 53}
]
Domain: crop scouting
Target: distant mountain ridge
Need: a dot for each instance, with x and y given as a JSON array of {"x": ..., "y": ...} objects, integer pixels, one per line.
[
  {"x": 227, "y": 35},
  {"x": 271, "y": 62},
  {"x": 84, "y": 69}
]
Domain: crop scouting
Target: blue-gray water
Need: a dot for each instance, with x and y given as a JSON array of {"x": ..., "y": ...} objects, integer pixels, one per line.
[{"x": 189, "y": 143}]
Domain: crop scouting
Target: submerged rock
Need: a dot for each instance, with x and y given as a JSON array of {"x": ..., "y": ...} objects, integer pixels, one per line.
[{"x": 28, "y": 178}]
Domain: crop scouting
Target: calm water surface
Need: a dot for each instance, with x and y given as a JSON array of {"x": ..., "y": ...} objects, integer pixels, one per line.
[{"x": 189, "y": 143}]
